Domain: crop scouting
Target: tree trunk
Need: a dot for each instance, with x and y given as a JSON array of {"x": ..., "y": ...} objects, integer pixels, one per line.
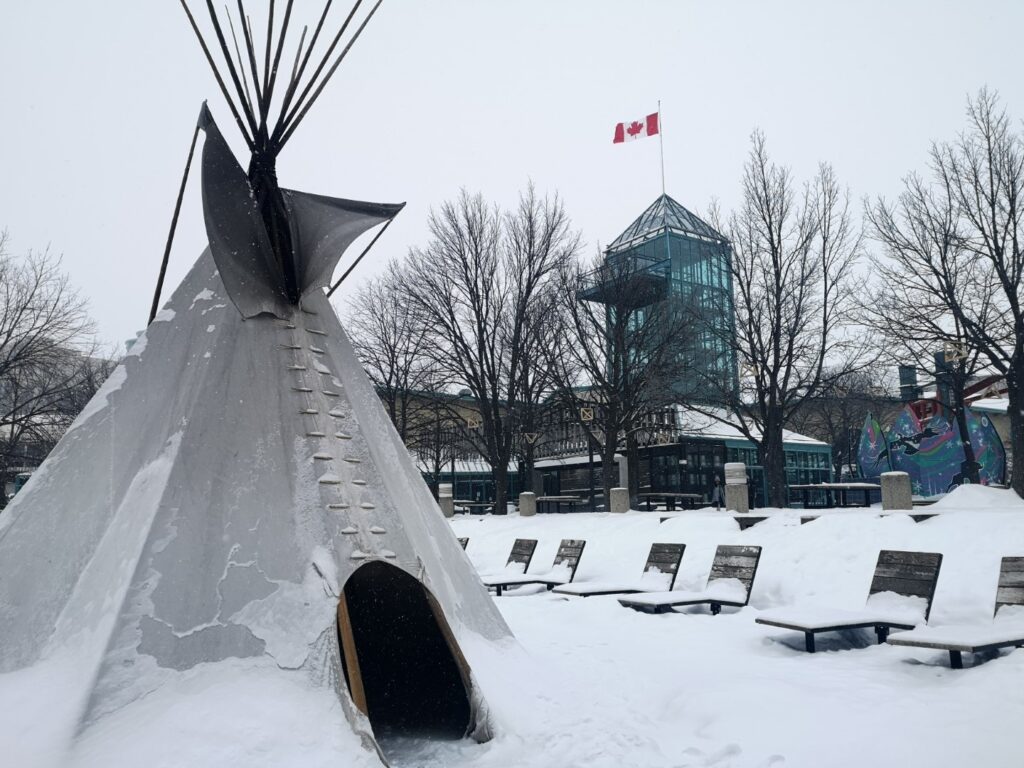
[
  {"x": 773, "y": 461},
  {"x": 500, "y": 473},
  {"x": 609, "y": 472},
  {"x": 633, "y": 469},
  {"x": 970, "y": 466},
  {"x": 1015, "y": 393},
  {"x": 528, "y": 480}
]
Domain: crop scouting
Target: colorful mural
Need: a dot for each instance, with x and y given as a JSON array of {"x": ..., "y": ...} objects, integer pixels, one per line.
[
  {"x": 988, "y": 447},
  {"x": 931, "y": 451},
  {"x": 873, "y": 451}
]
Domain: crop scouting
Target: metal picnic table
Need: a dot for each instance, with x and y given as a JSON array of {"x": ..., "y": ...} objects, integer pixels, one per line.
[
  {"x": 473, "y": 505},
  {"x": 836, "y": 494},
  {"x": 544, "y": 503},
  {"x": 687, "y": 500}
]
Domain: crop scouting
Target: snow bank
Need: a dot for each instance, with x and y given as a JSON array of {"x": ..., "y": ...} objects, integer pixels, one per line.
[
  {"x": 219, "y": 716},
  {"x": 614, "y": 687},
  {"x": 973, "y": 498}
]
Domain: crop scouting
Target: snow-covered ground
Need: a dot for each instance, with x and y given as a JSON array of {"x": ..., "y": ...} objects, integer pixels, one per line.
[
  {"x": 613, "y": 687},
  {"x": 589, "y": 683}
]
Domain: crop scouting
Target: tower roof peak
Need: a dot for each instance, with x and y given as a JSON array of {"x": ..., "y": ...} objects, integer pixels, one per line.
[{"x": 665, "y": 213}]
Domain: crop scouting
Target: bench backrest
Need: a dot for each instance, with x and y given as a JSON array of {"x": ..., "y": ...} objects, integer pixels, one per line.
[
  {"x": 1011, "y": 582},
  {"x": 736, "y": 562},
  {"x": 463, "y": 542},
  {"x": 912, "y": 574},
  {"x": 665, "y": 558},
  {"x": 522, "y": 552},
  {"x": 569, "y": 553}
]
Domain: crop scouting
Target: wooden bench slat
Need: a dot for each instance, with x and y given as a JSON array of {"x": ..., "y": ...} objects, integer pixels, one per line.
[
  {"x": 898, "y": 557},
  {"x": 664, "y": 550},
  {"x": 742, "y": 574},
  {"x": 1010, "y": 596},
  {"x": 740, "y": 561},
  {"x": 911, "y": 572},
  {"x": 737, "y": 550},
  {"x": 906, "y": 587}
]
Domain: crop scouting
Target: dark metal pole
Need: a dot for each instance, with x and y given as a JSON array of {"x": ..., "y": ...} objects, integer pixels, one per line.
[
  {"x": 220, "y": 81},
  {"x": 174, "y": 225},
  {"x": 284, "y": 119},
  {"x": 330, "y": 73},
  {"x": 590, "y": 461}
]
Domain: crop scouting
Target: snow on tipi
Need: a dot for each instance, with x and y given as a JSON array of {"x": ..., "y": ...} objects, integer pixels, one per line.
[{"x": 230, "y": 555}]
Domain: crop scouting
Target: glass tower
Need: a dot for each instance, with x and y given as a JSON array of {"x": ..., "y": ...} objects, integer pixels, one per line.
[{"x": 691, "y": 260}]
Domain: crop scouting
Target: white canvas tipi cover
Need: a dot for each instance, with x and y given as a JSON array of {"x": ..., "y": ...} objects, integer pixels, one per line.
[{"x": 186, "y": 544}]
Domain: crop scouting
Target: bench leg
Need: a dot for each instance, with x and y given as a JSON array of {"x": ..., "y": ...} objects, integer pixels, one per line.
[
  {"x": 715, "y": 609},
  {"x": 882, "y": 633},
  {"x": 809, "y": 642},
  {"x": 498, "y": 590},
  {"x": 956, "y": 660}
]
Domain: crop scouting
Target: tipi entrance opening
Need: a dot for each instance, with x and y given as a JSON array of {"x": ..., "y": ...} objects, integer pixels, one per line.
[{"x": 402, "y": 666}]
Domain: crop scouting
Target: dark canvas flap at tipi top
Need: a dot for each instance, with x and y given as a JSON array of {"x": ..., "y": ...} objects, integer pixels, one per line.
[{"x": 322, "y": 228}]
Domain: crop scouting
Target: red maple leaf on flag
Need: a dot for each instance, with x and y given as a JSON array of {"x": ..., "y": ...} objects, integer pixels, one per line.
[{"x": 634, "y": 128}]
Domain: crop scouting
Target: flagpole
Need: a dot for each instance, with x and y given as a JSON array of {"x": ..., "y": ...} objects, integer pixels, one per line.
[
  {"x": 661, "y": 147},
  {"x": 661, "y": 143}
]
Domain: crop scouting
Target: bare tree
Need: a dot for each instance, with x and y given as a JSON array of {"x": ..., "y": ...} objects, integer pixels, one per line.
[
  {"x": 836, "y": 415},
  {"x": 46, "y": 350},
  {"x": 474, "y": 287},
  {"x": 953, "y": 248},
  {"x": 796, "y": 289},
  {"x": 618, "y": 355},
  {"x": 393, "y": 346},
  {"x": 917, "y": 331}
]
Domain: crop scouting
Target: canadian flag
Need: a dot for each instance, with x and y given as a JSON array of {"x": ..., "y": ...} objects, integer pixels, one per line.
[{"x": 636, "y": 129}]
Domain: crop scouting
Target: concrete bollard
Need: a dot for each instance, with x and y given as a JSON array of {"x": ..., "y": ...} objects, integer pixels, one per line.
[
  {"x": 619, "y": 500},
  {"x": 737, "y": 497},
  {"x": 896, "y": 491},
  {"x": 527, "y": 504},
  {"x": 447, "y": 504}
]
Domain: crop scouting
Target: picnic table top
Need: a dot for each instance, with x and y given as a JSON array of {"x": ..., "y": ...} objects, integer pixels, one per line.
[
  {"x": 836, "y": 487},
  {"x": 559, "y": 498}
]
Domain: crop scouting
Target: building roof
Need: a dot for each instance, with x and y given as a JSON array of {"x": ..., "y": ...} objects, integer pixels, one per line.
[
  {"x": 475, "y": 466},
  {"x": 695, "y": 423},
  {"x": 991, "y": 405},
  {"x": 665, "y": 213}
]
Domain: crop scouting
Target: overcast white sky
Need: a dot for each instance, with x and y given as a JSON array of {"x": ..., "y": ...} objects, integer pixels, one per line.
[{"x": 99, "y": 100}]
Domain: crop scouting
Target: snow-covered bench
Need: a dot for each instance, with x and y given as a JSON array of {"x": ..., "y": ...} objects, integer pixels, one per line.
[
  {"x": 729, "y": 583},
  {"x": 900, "y": 597},
  {"x": 563, "y": 569},
  {"x": 659, "y": 573},
  {"x": 1005, "y": 631}
]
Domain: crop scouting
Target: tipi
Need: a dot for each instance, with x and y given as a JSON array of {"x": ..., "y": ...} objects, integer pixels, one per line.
[{"x": 232, "y": 531}]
